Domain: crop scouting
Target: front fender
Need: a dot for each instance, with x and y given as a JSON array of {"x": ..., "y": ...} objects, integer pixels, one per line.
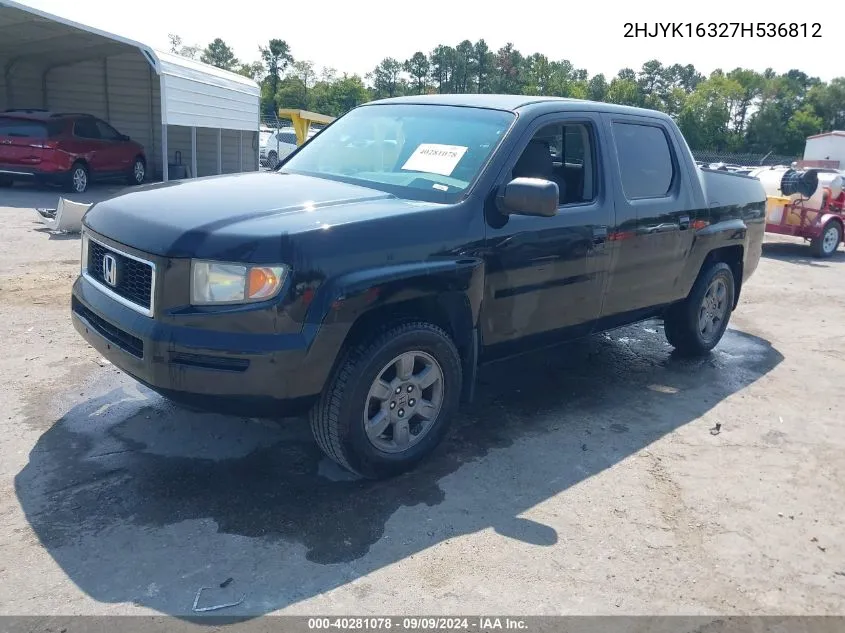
[{"x": 454, "y": 284}]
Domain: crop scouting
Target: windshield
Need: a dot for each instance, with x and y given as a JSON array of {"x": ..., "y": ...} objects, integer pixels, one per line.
[{"x": 420, "y": 152}]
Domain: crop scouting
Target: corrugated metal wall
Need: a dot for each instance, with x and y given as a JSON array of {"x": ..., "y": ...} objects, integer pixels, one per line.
[
  {"x": 199, "y": 95},
  {"x": 26, "y": 89},
  {"x": 179, "y": 139}
]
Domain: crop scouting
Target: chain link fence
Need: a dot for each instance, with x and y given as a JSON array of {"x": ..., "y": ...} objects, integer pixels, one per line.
[
  {"x": 277, "y": 139},
  {"x": 747, "y": 160}
]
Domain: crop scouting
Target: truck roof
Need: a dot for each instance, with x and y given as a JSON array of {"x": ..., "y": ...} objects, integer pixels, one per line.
[{"x": 513, "y": 103}]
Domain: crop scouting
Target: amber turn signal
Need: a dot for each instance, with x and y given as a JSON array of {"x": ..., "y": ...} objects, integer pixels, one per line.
[{"x": 263, "y": 282}]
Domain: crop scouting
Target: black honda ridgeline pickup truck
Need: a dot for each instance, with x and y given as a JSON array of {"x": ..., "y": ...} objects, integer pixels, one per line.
[{"x": 369, "y": 275}]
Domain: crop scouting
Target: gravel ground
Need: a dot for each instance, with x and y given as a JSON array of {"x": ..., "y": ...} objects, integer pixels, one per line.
[{"x": 587, "y": 480}]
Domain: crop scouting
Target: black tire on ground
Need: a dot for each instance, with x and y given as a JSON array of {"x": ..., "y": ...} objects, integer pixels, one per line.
[
  {"x": 77, "y": 179},
  {"x": 5, "y": 181},
  {"x": 338, "y": 418},
  {"x": 712, "y": 294},
  {"x": 826, "y": 244},
  {"x": 138, "y": 172},
  {"x": 272, "y": 160}
]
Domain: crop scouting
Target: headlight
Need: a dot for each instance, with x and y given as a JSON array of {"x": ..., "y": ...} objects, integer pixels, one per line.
[{"x": 219, "y": 283}]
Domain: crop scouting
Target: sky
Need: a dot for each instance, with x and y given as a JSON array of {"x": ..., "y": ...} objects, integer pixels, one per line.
[{"x": 353, "y": 36}]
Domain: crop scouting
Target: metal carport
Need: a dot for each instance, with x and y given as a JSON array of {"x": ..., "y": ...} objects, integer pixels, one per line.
[{"x": 166, "y": 102}]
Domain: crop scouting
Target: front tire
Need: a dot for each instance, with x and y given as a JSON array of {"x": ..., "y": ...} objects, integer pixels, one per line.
[
  {"x": 826, "y": 244},
  {"x": 272, "y": 160},
  {"x": 696, "y": 325},
  {"x": 78, "y": 178},
  {"x": 390, "y": 400}
]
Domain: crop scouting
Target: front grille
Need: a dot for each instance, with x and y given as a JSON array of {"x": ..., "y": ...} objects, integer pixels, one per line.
[
  {"x": 124, "y": 340},
  {"x": 134, "y": 279}
]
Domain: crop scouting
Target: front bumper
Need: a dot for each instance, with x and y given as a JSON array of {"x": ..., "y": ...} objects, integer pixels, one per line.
[{"x": 206, "y": 368}]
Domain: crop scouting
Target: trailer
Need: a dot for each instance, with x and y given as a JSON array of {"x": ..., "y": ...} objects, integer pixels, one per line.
[{"x": 807, "y": 203}]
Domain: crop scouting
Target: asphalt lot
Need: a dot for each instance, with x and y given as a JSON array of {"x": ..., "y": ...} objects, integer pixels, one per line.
[{"x": 588, "y": 479}]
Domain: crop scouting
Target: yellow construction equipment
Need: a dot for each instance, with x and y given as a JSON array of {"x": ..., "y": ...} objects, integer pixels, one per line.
[{"x": 302, "y": 120}]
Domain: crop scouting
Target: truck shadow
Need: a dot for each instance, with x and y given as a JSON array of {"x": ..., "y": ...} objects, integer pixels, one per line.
[{"x": 139, "y": 502}]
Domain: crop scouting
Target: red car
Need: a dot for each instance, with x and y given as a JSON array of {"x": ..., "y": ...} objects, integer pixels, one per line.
[{"x": 71, "y": 150}]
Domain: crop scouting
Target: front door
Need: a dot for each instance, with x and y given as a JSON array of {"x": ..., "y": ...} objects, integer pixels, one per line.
[
  {"x": 545, "y": 277},
  {"x": 116, "y": 155}
]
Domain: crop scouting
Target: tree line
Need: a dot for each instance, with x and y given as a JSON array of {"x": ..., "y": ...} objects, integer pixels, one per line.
[{"x": 738, "y": 110}]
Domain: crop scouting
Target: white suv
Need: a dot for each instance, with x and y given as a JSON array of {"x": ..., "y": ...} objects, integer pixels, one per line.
[{"x": 276, "y": 145}]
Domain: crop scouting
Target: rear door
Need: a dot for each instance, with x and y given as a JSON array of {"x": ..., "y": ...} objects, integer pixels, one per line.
[
  {"x": 655, "y": 208},
  {"x": 21, "y": 142},
  {"x": 87, "y": 142}
]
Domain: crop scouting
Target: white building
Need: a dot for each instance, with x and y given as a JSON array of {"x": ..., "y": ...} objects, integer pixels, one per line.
[
  {"x": 829, "y": 146},
  {"x": 167, "y": 103}
]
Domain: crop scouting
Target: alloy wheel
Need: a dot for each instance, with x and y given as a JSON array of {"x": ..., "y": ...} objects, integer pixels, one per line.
[
  {"x": 404, "y": 401},
  {"x": 713, "y": 309},
  {"x": 80, "y": 180},
  {"x": 139, "y": 172}
]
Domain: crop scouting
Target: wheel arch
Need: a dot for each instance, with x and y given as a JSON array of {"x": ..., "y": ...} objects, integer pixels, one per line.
[
  {"x": 451, "y": 312},
  {"x": 733, "y": 256},
  {"x": 832, "y": 217},
  {"x": 446, "y": 293}
]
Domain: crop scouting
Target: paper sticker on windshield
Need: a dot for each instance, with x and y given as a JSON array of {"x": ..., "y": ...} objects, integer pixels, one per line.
[{"x": 435, "y": 159}]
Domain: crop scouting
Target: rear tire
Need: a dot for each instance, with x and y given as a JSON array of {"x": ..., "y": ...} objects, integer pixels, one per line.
[
  {"x": 696, "y": 325},
  {"x": 138, "y": 172},
  {"x": 77, "y": 180},
  {"x": 368, "y": 419},
  {"x": 272, "y": 160},
  {"x": 826, "y": 244}
]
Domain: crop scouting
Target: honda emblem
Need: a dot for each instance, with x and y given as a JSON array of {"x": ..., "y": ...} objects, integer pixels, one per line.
[{"x": 110, "y": 270}]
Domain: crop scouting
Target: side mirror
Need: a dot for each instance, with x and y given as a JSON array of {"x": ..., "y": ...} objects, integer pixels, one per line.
[
  {"x": 529, "y": 196},
  {"x": 124, "y": 137}
]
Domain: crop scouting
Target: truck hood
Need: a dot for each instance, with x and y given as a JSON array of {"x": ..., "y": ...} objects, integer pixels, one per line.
[{"x": 239, "y": 217}]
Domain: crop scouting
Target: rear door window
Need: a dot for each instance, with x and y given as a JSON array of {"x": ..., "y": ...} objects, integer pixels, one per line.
[
  {"x": 86, "y": 128},
  {"x": 645, "y": 160}
]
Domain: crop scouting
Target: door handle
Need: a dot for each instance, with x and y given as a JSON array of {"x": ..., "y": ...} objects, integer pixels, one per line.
[
  {"x": 660, "y": 228},
  {"x": 599, "y": 235},
  {"x": 684, "y": 222}
]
